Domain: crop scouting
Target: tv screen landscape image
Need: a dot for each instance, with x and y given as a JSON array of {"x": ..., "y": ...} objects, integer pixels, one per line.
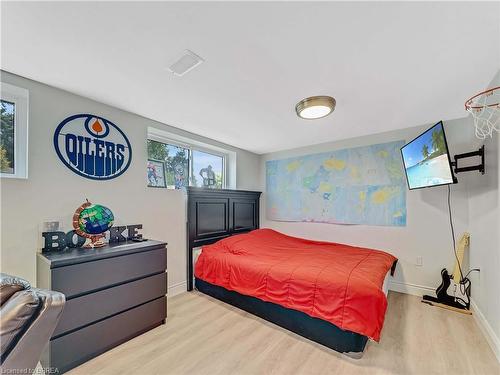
[{"x": 426, "y": 159}]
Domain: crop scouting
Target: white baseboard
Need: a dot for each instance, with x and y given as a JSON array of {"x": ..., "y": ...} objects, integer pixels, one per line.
[
  {"x": 484, "y": 326},
  {"x": 486, "y": 329},
  {"x": 413, "y": 289},
  {"x": 176, "y": 289}
]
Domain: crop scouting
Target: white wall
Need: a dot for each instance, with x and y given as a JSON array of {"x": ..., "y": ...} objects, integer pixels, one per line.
[
  {"x": 484, "y": 225},
  {"x": 427, "y": 233},
  {"x": 53, "y": 192}
]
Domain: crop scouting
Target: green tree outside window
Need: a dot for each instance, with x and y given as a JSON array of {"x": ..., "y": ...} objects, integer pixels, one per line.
[{"x": 7, "y": 141}]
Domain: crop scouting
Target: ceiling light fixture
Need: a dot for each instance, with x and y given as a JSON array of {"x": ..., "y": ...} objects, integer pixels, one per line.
[{"x": 315, "y": 107}]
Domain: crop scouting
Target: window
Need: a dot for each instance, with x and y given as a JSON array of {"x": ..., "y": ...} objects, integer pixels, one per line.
[
  {"x": 207, "y": 170},
  {"x": 187, "y": 166},
  {"x": 175, "y": 161},
  {"x": 13, "y": 132},
  {"x": 7, "y": 137}
]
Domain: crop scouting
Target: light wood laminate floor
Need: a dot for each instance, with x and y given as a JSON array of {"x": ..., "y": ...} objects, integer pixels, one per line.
[{"x": 205, "y": 336}]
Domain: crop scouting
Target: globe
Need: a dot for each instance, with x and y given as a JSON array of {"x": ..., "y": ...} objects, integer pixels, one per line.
[{"x": 95, "y": 219}]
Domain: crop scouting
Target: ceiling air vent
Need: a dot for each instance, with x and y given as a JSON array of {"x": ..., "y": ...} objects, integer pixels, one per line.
[{"x": 188, "y": 61}]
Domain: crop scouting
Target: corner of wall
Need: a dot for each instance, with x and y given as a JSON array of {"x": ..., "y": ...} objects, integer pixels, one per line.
[{"x": 486, "y": 329}]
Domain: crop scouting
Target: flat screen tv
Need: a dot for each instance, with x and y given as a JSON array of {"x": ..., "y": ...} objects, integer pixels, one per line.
[{"x": 427, "y": 159}]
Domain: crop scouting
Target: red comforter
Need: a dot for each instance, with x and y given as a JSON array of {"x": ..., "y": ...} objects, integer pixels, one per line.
[{"x": 338, "y": 283}]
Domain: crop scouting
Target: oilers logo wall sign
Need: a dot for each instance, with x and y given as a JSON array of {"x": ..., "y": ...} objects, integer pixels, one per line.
[{"x": 92, "y": 147}]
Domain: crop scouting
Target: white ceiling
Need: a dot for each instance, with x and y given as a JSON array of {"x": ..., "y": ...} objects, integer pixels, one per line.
[{"x": 389, "y": 65}]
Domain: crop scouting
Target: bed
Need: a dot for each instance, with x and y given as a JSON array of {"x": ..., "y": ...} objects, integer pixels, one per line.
[{"x": 330, "y": 293}]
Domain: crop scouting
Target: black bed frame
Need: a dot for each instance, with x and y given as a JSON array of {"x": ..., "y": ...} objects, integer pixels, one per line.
[
  {"x": 219, "y": 213},
  {"x": 214, "y": 214}
]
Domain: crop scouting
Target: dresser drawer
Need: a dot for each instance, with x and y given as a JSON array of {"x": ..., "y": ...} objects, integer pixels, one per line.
[
  {"x": 89, "y": 308},
  {"x": 85, "y": 277},
  {"x": 70, "y": 350}
]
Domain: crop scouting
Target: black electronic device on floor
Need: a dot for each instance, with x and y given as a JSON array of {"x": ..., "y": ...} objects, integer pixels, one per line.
[{"x": 454, "y": 291}]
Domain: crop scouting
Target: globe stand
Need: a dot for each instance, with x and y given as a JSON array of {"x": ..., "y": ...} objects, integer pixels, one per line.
[{"x": 95, "y": 241}]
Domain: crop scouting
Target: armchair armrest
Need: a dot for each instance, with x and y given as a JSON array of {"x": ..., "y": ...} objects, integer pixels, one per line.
[{"x": 28, "y": 349}]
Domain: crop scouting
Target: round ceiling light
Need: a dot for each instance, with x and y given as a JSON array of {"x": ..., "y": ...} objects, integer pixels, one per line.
[{"x": 315, "y": 107}]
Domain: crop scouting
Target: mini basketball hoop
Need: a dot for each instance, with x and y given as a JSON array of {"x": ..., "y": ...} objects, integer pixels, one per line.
[{"x": 485, "y": 110}]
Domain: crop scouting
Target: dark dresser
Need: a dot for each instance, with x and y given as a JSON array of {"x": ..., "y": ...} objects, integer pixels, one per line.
[{"x": 113, "y": 294}]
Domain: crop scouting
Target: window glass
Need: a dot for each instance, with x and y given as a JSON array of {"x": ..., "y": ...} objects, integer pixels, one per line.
[
  {"x": 183, "y": 166},
  {"x": 176, "y": 163},
  {"x": 177, "y": 167},
  {"x": 207, "y": 170},
  {"x": 7, "y": 135}
]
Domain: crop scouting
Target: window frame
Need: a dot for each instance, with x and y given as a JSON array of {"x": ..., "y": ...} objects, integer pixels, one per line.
[
  {"x": 194, "y": 146},
  {"x": 20, "y": 98}
]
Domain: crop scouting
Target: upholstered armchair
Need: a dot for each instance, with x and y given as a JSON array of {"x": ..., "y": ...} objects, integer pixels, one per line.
[{"x": 28, "y": 316}]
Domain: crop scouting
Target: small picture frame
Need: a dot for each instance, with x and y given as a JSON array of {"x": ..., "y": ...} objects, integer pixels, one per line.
[{"x": 156, "y": 173}]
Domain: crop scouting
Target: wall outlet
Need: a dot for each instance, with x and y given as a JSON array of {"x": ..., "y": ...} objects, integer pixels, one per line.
[
  {"x": 420, "y": 261},
  {"x": 50, "y": 226}
]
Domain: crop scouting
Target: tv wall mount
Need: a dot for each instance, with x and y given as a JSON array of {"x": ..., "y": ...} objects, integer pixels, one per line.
[{"x": 477, "y": 167}]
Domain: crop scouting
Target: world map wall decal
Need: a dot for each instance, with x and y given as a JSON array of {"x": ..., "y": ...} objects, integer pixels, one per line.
[{"x": 362, "y": 185}]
